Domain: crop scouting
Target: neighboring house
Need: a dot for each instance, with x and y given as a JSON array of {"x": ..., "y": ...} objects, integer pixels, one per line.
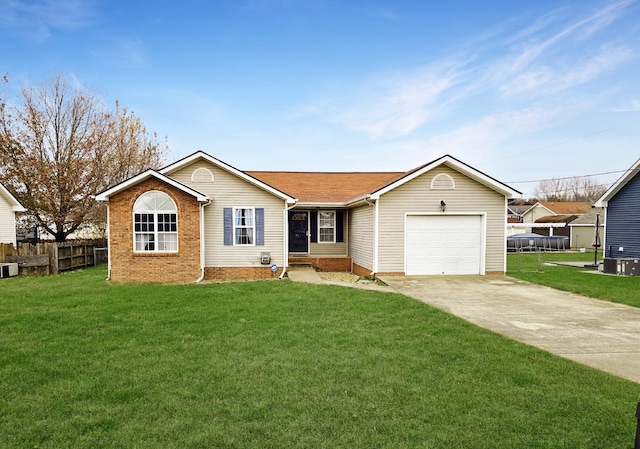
[
  {"x": 9, "y": 207},
  {"x": 515, "y": 213},
  {"x": 200, "y": 218},
  {"x": 583, "y": 229},
  {"x": 553, "y": 217},
  {"x": 622, "y": 223}
]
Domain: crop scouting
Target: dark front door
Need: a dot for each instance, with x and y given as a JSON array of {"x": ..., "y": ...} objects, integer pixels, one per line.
[{"x": 298, "y": 228}]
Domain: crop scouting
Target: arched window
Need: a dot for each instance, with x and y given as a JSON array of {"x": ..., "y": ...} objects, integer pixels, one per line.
[{"x": 155, "y": 223}]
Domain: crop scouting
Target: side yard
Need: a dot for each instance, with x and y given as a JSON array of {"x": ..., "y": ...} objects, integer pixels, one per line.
[
  {"x": 91, "y": 364},
  {"x": 583, "y": 281}
]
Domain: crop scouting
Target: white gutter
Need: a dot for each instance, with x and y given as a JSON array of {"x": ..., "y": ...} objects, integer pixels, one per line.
[
  {"x": 375, "y": 237},
  {"x": 316, "y": 204},
  {"x": 535, "y": 225},
  {"x": 108, "y": 245},
  {"x": 285, "y": 226},
  {"x": 202, "y": 245}
]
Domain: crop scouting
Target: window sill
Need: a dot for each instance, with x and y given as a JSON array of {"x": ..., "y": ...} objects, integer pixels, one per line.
[{"x": 157, "y": 254}]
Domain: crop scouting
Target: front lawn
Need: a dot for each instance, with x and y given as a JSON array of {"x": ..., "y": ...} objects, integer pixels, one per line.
[
  {"x": 85, "y": 363},
  {"x": 584, "y": 281}
]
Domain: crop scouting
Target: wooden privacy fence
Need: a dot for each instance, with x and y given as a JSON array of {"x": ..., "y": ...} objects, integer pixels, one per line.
[{"x": 52, "y": 258}]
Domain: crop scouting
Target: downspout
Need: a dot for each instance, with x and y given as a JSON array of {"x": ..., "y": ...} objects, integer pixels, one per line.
[
  {"x": 375, "y": 235},
  {"x": 202, "y": 245},
  {"x": 108, "y": 245},
  {"x": 285, "y": 227}
]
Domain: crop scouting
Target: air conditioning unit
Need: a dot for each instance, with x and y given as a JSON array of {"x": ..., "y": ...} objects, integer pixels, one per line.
[
  {"x": 8, "y": 270},
  {"x": 265, "y": 258}
]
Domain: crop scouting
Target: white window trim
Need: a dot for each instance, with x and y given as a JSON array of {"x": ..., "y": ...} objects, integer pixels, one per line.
[
  {"x": 335, "y": 226},
  {"x": 233, "y": 230},
  {"x": 155, "y": 214}
]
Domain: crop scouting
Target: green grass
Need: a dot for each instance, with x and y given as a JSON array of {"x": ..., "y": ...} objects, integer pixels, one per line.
[
  {"x": 620, "y": 289},
  {"x": 85, "y": 363}
]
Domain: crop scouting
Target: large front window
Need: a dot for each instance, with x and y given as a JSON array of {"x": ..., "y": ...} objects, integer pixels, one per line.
[
  {"x": 243, "y": 226},
  {"x": 326, "y": 227},
  {"x": 155, "y": 223}
]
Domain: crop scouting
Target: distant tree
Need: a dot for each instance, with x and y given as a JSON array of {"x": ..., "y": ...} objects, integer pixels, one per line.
[
  {"x": 60, "y": 145},
  {"x": 579, "y": 188}
]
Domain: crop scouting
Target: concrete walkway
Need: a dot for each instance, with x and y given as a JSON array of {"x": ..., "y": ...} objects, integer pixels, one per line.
[
  {"x": 600, "y": 334},
  {"x": 311, "y": 276}
]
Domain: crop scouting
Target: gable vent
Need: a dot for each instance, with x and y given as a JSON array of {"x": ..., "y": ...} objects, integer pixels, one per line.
[
  {"x": 443, "y": 182},
  {"x": 202, "y": 175}
]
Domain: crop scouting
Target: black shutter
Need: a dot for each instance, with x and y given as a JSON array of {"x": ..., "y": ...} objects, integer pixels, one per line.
[
  {"x": 339, "y": 226},
  {"x": 313, "y": 226},
  {"x": 228, "y": 225},
  {"x": 259, "y": 226}
]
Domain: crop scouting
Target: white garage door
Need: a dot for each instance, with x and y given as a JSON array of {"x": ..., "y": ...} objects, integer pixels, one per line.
[{"x": 443, "y": 244}]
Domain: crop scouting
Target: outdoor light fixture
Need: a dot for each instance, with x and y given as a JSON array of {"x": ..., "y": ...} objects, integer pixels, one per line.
[{"x": 443, "y": 205}]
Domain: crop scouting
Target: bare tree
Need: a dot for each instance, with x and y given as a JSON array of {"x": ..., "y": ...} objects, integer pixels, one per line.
[
  {"x": 60, "y": 145},
  {"x": 579, "y": 188}
]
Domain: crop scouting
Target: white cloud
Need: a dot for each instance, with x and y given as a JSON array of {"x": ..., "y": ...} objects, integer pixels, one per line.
[
  {"x": 629, "y": 106},
  {"x": 550, "y": 79},
  {"x": 123, "y": 52},
  {"x": 38, "y": 18},
  {"x": 491, "y": 130},
  {"x": 529, "y": 84},
  {"x": 395, "y": 106},
  {"x": 540, "y": 45}
]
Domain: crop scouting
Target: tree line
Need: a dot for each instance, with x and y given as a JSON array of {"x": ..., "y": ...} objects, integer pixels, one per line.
[{"x": 60, "y": 145}]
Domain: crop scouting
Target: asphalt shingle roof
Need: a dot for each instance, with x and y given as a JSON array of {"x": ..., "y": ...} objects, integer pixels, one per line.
[
  {"x": 567, "y": 207},
  {"x": 315, "y": 187}
]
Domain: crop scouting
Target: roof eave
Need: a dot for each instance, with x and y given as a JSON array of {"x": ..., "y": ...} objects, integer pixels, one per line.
[
  {"x": 140, "y": 177},
  {"x": 629, "y": 174},
  {"x": 323, "y": 204},
  {"x": 16, "y": 206}
]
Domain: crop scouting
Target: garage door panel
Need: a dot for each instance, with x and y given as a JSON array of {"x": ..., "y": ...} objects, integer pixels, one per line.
[{"x": 443, "y": 244}]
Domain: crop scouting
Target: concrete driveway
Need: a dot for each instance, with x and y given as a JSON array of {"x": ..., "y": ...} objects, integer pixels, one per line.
[{"x": 600, "y": 334}]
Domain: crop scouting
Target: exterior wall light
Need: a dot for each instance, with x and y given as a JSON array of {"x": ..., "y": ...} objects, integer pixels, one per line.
[{"x": 443, "y": 205}]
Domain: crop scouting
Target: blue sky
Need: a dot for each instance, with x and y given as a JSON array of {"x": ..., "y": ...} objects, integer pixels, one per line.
[{"x": 521, "y": 90}]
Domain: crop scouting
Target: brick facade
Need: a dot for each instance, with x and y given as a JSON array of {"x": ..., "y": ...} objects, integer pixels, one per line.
[
  {"x": 361, "y": 271},
  {"x": 325, "y": 263},
  {"x": 240, "y": 273},
  {"x": 127, "y": 266}
]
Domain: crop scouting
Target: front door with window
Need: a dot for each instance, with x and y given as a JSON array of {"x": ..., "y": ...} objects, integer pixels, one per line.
[{"x": 298, "y": 232}]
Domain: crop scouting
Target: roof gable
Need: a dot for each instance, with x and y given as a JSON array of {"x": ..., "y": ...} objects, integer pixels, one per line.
[
  {"x": 105, "y": 195},
  {"x": 589, "y": 218},
  {"x": 619, "y": 184},
  {"x": 454, "y": 164},
  {"x": 16, "y": 206},
  {"x": 201, "y": 155}
]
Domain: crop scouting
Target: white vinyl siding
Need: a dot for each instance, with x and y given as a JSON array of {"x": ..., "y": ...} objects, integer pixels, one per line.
[
  {"x": 323, "y": 249},
  {"x": 230, "y": 191},
  {"x": 7, "y": 222},
  {"x": 361, "y": 236},
  {"x": 416, "y": 196}
]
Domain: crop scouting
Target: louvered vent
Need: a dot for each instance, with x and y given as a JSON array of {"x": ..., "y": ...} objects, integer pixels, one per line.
[{"x": 443, "y": 182}]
